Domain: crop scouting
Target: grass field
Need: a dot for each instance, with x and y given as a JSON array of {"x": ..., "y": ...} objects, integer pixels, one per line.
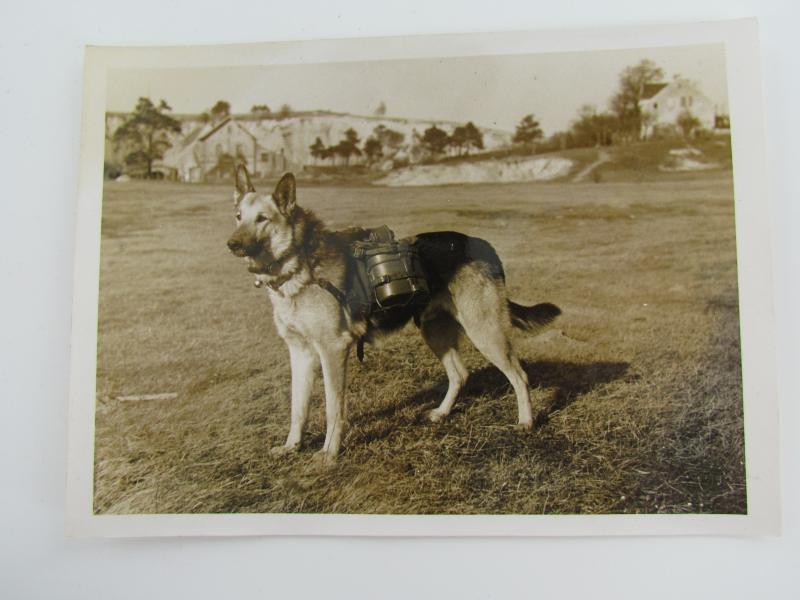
[{"x": 637, "y": 387}]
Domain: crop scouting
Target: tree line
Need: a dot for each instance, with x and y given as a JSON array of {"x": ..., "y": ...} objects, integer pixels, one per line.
[
  {"x": 346, "y": 148},
  {"x": 463, "y": 139},
  {"x": 435, "y": 140},
  {"x": 144, "y": 136},
  {"x": 222, "y": 109}
]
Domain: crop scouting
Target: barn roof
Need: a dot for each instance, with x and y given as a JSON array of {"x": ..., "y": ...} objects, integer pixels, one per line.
[
  {"x": 215, "y": 129},
  {"x": 651, "y": 89}
]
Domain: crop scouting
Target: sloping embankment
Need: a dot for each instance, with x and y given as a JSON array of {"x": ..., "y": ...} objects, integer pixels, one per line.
[
  {"x": 687, "y": 159},
  {"x": 486, "y": 171}
]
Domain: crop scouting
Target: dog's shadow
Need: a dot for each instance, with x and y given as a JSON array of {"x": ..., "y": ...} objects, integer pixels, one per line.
[{"x": 564, "y": 381}]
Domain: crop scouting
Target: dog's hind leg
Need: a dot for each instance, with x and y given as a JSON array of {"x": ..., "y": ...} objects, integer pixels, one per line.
[
  {"x": 334, "y": 372},
  {"x": 304, "y": 364},
  {"x": 482, "y": 310},
  {"x": 441, "y": 333},
  {"x": 496, "y": 347}
]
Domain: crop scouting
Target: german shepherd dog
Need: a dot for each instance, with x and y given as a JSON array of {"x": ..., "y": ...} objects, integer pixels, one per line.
[{"x": 303, "y": 264}]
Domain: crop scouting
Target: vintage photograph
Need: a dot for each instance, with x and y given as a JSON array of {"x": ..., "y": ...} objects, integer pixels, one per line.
[{"x": 456, "y": 285}]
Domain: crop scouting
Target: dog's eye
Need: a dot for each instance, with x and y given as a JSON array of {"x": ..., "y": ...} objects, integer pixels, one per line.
[
  {"x": 261, "y": 218},
  {"x": 238, "y": 216}
]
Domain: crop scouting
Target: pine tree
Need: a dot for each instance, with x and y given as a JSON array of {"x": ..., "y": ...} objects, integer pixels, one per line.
[{"x": 146, "y": 132}]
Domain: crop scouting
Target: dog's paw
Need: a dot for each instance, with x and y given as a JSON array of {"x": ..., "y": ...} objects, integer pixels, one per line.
[
  {"x": 524, "y": 426},
  {"x": 283, "y": 450},
  {"x": 436, "y": 416},
  {"x": 323, "y": 458}
]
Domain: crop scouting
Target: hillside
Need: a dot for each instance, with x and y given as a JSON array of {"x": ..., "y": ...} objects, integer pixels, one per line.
[
  {"x": 271, "y": 145},
  {"x": 544, "y": 168},
  {"x": 632, "y": 162}
]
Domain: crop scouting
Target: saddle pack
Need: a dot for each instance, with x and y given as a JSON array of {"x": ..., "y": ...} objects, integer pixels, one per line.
[{"x": 388, "y": 274}]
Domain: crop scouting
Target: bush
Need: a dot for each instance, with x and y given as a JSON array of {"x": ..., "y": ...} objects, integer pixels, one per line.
[
  {"x": 111, "y": 170},
  {"x": 702, "y": 134},
  {"x": 666, "y": 131},
  {"x": 399, "y": 163}
]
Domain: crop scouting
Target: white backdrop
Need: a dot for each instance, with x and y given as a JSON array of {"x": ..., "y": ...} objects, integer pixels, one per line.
[{"x": 40, "y": 74}]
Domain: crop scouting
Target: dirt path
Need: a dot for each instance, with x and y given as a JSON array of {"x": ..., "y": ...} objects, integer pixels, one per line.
[{"x": 602, "y": 156}]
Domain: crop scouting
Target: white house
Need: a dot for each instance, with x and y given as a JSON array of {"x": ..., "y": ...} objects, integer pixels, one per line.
[{"x": 664, "y": 102}]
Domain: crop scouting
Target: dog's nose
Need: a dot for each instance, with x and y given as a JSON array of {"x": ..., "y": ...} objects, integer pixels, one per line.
[{"x": 234, "y": 245}]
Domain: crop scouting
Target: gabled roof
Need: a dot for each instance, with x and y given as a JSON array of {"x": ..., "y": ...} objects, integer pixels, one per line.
[
  {"x": 192, "y": 136},
  {"x": 215, "y": 129},
  {"x": 651, "y": 89}
]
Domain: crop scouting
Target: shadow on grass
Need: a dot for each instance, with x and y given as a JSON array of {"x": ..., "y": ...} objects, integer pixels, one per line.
[{"x": 568, "y": 380}]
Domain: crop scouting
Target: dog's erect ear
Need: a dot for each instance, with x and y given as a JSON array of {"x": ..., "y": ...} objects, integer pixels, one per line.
[
  {"x": 285, "y": 193},
  {"x": 243, "y": 183}
]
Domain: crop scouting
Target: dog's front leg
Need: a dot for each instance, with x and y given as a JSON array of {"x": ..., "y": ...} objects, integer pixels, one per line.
[
  {"x": 304, "y": 362},
  {"x": 334, "y": 371}
]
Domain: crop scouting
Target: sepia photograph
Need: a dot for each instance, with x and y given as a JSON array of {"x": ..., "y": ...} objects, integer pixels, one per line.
[
  {"x": 493, "y": 284},
  {"x": 400, "y": 299}
]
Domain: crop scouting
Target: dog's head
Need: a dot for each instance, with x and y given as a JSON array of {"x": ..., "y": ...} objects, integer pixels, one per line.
[{"x": 263, "y": 221}]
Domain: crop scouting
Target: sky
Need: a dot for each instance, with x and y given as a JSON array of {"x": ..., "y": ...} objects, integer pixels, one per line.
[{"x": 491, "y": 91}]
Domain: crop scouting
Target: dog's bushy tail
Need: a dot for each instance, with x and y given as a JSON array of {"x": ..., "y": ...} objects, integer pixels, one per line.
[{"x": 532, "y": 318}]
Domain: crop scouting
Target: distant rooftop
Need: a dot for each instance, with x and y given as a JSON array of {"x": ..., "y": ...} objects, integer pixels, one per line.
[{"x": 651, "y": 89}]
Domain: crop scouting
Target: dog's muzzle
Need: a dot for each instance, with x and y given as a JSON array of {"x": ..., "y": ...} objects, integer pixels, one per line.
[
  {"x": 237, "y": 247},
  {"x": 244, "y": 248}
]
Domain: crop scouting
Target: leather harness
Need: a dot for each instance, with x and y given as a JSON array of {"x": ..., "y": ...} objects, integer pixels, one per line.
[
  {"x": 326, "y": 285},
  {"x": 360, "y": 298}
]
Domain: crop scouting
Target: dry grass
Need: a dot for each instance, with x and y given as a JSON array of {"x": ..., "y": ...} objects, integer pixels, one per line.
[{"x": 638, "y": 386}]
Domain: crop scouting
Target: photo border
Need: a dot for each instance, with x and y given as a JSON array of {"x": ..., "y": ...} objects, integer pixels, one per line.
[{"x": 754, "y": 254}]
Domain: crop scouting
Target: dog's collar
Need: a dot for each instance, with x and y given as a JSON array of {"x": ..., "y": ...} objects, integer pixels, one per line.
[
  {"x": 273, "y": 270},
  {"x": 276, "y": 283}
]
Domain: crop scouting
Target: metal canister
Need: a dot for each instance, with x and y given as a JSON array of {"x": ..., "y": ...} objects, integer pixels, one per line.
[{"x": 396, "y": 276}]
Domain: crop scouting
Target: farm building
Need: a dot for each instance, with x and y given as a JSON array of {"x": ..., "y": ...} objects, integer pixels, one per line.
[
  {"x": 209, "y": 151},
  {"x": 666, "y": 101}
]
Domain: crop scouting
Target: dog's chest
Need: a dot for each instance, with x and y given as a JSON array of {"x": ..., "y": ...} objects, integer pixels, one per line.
[{"x": 311, "y": 314}]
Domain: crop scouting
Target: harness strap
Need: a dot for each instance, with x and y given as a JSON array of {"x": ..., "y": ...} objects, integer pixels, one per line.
[
  {"x": 335, "y": 292},
  {"x": 342, "y": 298}
]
